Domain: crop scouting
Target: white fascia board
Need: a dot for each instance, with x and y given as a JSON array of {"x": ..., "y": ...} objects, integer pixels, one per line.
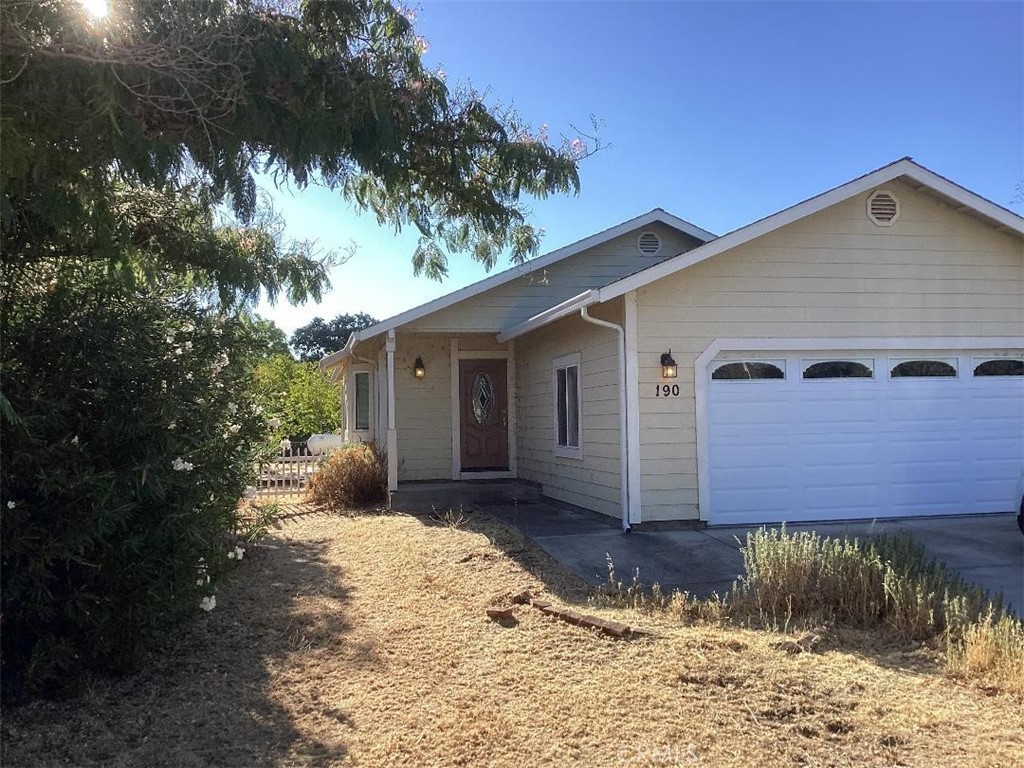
[
  {"x": 684, "y": 226},
  {"x": 965, "y": 197},
  {"x": 567, "y": 307},
  {"x": 657, "y": 215},
  {"x": 904, "y": 167},
  {"x": 336, "y": 358}
]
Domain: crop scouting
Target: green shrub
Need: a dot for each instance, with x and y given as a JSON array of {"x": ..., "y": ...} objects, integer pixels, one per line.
[
  {"x": 353, "y": 475},
  {"x": 127, "y": 444}
]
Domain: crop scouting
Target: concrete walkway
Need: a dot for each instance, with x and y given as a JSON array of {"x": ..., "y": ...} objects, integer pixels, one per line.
[{"x": 987, "y": 550}]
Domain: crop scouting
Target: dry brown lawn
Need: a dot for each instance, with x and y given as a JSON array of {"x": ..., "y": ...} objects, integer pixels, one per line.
[{"x": 362, "y": 640}]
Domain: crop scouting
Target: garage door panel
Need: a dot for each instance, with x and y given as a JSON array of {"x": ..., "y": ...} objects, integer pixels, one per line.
[
  {"x": 919, "y": 450},
  {"x": 754, "y": 478},
  {"x": 998, "y": 448},
  {"x": 821, "y": 449},
  {"x": 994, "y": 490},
  {"x": 927, "y": 492},
  {"x": 922, "y": 474},
  {"x": 853, "y": 492},
  {"x": 768, "y": 504},
  {"x": 769, "y": 455}
]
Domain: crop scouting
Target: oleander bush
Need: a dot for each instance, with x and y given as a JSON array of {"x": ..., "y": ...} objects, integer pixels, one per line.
[{"x": 129, "y": 434}]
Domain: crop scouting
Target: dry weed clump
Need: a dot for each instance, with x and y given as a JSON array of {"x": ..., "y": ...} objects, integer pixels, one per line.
[
  {"x": 354, "y": 475},
  {"x": 793, "y": 581},
  {"x": 638, "y": 597},
  {"x": 991, "y": 649}
]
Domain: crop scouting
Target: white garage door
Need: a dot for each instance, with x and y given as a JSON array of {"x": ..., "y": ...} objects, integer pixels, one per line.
[{"x": 827, "y": 436}]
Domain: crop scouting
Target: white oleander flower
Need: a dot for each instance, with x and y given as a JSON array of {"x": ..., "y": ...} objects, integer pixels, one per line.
[
  {"x": 208, "y": 603},
  {"x": 180, "y": 465}
]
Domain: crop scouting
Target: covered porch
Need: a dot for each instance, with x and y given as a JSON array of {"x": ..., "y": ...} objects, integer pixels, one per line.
[{"x": 440, "y": 404}]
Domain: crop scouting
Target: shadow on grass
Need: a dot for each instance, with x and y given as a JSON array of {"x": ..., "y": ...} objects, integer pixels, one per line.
[{"x": 212, "y": 694}]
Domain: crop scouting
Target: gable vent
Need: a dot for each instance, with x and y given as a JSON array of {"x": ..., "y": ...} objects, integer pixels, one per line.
[
  {"x": 883, "y": 208},
  {"x": 649, "y": 244}
]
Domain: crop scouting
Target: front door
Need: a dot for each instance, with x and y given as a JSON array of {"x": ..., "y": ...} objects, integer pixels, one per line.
[{"x": 483, "y": 393}]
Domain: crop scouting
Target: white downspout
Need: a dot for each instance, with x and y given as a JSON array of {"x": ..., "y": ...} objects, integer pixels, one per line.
[
  {"x": 392, "y": 433},
  {"x": 623, "y": 417}
]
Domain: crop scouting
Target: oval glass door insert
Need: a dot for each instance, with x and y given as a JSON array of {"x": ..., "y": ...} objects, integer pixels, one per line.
[{"x": 482, "y": 399}]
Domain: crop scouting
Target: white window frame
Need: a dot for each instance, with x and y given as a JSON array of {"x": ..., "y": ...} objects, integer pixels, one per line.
[
  {"x": 778, "y": 362},
  {"x": 953, "y": 361},
  {"x": 979, "y": 359},
  {"x": 561, "y": 363},
  {"x": 351, "y": 432},
  {"x": 870, "y": 362}
]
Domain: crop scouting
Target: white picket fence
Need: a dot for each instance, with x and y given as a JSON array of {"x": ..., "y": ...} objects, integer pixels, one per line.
[{"x": 288, "y": 472}]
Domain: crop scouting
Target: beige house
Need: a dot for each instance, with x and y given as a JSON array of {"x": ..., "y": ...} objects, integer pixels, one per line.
[{"x": 858, "y": 355}]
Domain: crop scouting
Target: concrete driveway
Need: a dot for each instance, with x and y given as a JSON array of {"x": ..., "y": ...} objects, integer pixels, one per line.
[{"x": 987, "y": 550}]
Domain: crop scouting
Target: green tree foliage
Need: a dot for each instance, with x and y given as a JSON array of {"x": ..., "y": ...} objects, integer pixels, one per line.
[
  {"x": 299, "y": 395},
  {"x": 120, "y": 479},
  {"x": 134, "y": 244},
  {"x": 165, "y": 93},
  {"x": 270, "y": 338},
  {"x": 322, "y": 337}
]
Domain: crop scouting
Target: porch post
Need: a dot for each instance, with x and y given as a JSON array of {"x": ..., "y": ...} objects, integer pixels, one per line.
[{"x": 392, "y": 433}]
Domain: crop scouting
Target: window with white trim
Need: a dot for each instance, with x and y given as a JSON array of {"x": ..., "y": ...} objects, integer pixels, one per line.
[
  {"x": 749, "y": 370},
  {"x": 923, "y": 368},
  {"x": 361, "y": 401},
  {"x": 568, "y": 432},
  {"x": 839, "y": 369},
  {"x": 1000, "y": 366}
]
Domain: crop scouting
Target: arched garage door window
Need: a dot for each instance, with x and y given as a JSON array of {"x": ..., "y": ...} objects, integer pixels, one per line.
[
  {"x": 1001, "y": 367},
  {"x": 839, "y": 369},
  {"x": 922, "y": 368},
  {"x": 747, "y": 370}
]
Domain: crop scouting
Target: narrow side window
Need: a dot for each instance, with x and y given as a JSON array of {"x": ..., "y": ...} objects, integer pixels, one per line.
[
  {"x": 362, "y": 403},
  {"x": 567, "y": 406}
]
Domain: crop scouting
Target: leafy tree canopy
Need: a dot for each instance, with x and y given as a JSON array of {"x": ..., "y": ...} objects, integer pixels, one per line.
[
  {"x": 269, "y": 338},
  {"x": 322, "y": 337},
  {"x": 194, "y": 97},
  {"x": 298, "y": 395}
]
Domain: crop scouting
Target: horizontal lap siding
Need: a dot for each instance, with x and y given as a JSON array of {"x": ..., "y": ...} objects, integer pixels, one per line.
[
  {"x": 423, "y": 408},
  {"x": 935, "y": 273},
  {"x": 592, "y": 482},
  {"x": 526, "y": 296}
]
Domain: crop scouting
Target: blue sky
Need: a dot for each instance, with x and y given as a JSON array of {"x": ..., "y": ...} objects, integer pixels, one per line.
[{"x": 718, "y": 112}]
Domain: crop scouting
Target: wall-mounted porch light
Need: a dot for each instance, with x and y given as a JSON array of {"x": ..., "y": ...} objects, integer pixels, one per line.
[
  {"x": 418, "y": 369},
  {"x": 669, "y": 369}
]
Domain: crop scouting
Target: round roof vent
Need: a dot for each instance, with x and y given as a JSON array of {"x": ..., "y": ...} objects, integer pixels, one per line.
[
  {"x": 649, "y": 244},
  {"x": 883, "y": 208}
]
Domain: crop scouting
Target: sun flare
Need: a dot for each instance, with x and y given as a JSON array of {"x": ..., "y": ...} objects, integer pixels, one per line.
[{"x": 97, "y": 9}]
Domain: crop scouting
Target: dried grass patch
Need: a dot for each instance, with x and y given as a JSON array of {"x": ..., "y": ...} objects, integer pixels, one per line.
[{"x": 363, "y": 640}]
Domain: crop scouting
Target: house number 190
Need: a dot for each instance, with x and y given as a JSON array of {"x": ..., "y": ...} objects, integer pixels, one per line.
[{"x": 666, "y": 390}]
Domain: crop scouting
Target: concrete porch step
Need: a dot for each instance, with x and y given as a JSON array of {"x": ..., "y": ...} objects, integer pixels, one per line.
[{"x": 442, "y": 495}]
